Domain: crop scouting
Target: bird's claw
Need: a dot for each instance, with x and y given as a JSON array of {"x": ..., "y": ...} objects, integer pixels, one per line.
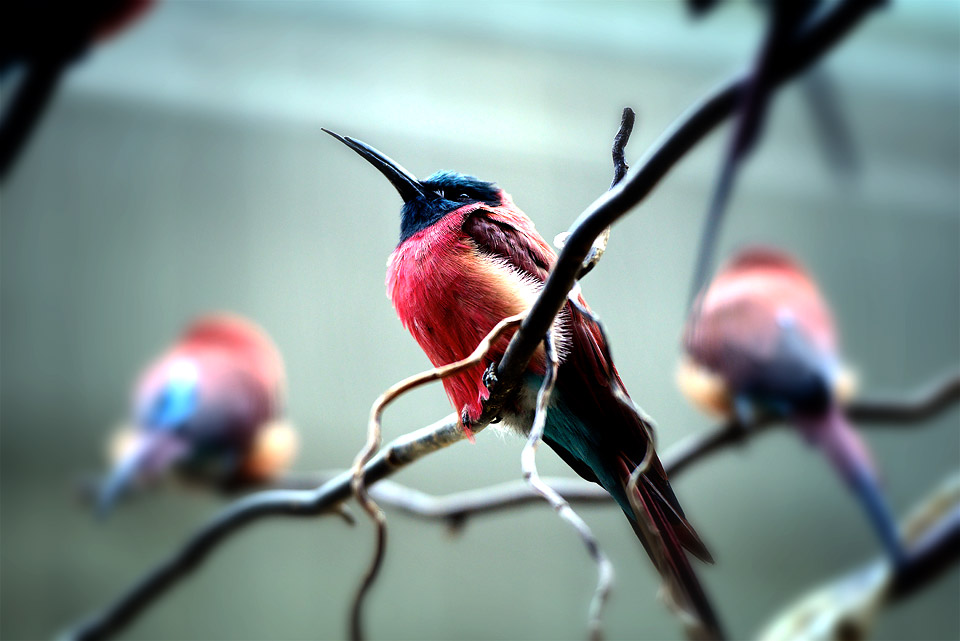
[
  {"x": 467, "y": 424},
  {"x": 490, "y": 379}
]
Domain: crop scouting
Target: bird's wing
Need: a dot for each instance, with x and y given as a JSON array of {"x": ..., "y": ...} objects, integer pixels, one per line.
[{"x": 512, "y": 237}]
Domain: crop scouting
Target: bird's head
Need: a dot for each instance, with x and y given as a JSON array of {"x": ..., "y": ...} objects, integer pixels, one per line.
[{"x": 427, "y": 201}]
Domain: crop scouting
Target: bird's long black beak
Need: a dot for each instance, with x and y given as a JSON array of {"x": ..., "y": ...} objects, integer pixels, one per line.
[{"x": 405, "y": 182}]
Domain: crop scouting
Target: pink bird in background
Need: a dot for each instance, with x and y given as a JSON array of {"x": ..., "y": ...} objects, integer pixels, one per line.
[
  {"x": 208, "y": 408},
  {"x": 761, "y": 340}
]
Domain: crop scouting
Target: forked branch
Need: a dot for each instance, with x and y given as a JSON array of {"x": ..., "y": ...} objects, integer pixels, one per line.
[{"x": 374, "y": 438}]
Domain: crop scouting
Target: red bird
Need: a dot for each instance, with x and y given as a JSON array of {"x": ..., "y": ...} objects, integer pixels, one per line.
[
  {"x": 468, "y": 258},
  {"x": 761, "y": 339},
  {"x": 209, "y": 407}
]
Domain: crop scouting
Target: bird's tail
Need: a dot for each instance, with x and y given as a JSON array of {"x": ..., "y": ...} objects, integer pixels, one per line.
[
  {"x": 834, "y": 435},
  {"x": 667, "y": 537}
]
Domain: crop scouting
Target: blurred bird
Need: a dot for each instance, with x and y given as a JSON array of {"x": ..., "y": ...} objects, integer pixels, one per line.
[
  {"x": 761, "y": 339},
  {"x": 210, "y": 409},
  {"x": 468, "y": 258}
]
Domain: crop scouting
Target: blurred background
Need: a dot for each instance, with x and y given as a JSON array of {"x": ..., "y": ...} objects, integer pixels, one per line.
[{"x": 181, "y": 168}]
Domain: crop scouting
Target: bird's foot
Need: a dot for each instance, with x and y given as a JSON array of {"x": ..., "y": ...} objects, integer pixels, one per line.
[
  {"x": 466, "y": 424},
  {"x": 490, "y": 379}
]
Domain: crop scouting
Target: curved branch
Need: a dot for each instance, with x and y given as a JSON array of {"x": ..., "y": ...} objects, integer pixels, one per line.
[
  {"x": 847, "y": 607},
  {"x": 325, "y": 499},
  {"x": 528, "y": 463},
  {"x": 640, "y": 181},
  {"x": 374, "y": 432}
]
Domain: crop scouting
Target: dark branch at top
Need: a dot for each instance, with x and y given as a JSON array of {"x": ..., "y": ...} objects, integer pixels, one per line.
[{"x": 812, "y": 43}]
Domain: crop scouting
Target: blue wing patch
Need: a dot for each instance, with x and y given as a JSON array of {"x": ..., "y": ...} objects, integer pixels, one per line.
[{"x": 177, "y": 400}]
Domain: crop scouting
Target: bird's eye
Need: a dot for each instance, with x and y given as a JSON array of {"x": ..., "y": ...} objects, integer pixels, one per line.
[{"x": 463, "y": 196}]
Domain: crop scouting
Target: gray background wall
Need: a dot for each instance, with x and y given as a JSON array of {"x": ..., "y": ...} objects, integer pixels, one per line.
[{"x": 182, "y": 168}]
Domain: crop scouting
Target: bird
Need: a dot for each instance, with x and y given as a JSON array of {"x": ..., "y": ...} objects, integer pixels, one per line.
[
  {"x": 760, "y": 340},
  {"x": 467, "y": 258},
  {"x": 209, "y": 409}
]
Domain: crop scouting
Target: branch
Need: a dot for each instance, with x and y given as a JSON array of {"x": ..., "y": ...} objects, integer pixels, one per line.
[
  {"x": 618, "y": 152},
  {"x": 880, "y": 413},
  {"x": 924, "y": 404},
  {"x": 640, "y": 181},
  {"x": 528, "y": 463},
  {"x": 399, "y": 453},
  {"x": 358, "y": 482},
  {"x": 455, "y": 508},
  {"x": 458, "y": 507},
  {"x": 620, "y": 168},
  {"x": 847, "y": 607}
]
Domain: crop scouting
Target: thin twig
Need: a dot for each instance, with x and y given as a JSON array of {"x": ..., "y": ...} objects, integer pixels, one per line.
[
  {"x": 620, "y": 141},
  {"x": 374, "y": 432},
  {"x": 620, "y": 168},
  {"x": 528, "y": 462}
]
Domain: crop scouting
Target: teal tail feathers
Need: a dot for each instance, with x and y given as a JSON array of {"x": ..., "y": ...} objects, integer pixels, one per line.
[{"x": 587, "y": 453}]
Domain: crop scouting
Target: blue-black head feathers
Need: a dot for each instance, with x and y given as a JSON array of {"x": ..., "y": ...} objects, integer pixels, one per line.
[{"x": 444, "y": 192}]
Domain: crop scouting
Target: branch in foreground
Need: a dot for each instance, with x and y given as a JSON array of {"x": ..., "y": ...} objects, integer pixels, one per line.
[
  {"x": 457, "y": 508},
  {"x": 454, "y": 508},
  {"x": 358, "y": 482},
  {"x": 399, "y": 453},
  {"x": 528, "y": 463},
  {"x": 620, "y": 168},
  {"x": 847, "y": 607}
]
